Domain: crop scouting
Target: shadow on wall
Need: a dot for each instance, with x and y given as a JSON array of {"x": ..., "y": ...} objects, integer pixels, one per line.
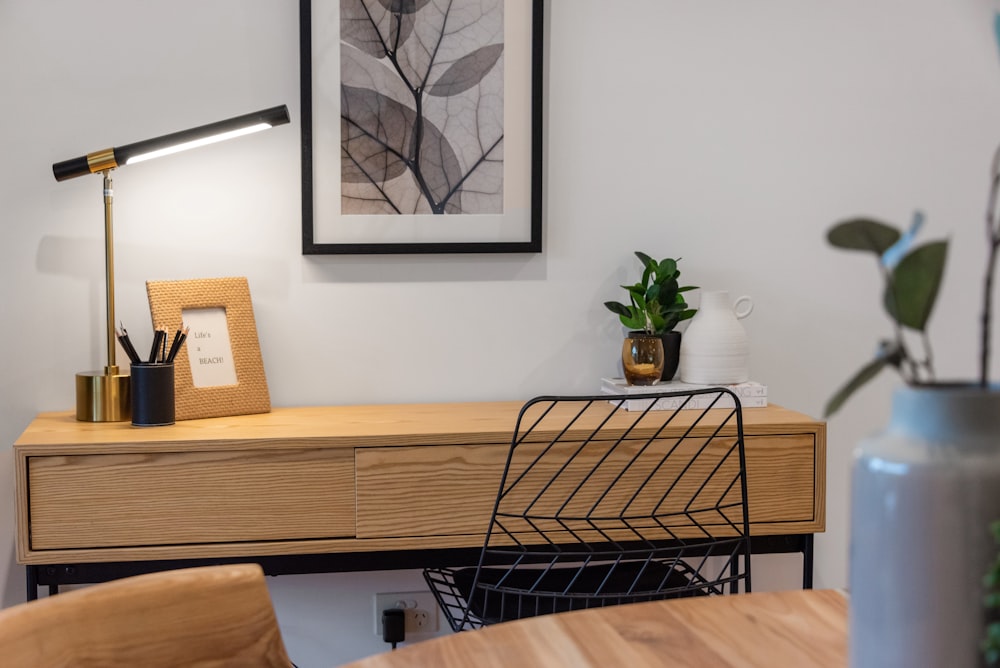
[
  {"x": 443, "y": 268},
  {"x": 14, "y": 586},
  {"x": 84, "y": 258}
]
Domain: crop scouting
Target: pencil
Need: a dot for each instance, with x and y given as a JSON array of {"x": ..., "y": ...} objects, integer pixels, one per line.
[
  {"x": 175, "y": 347},
  {"x": 127, "y": 345},
  {"x": 155, "y": 350}
]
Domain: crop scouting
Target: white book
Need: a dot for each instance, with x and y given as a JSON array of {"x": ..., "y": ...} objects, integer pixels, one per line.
[
  {"x": 751, "y": 395},
  {"x": 696, "y": 402},
  {"x": 742, "y": 390}
]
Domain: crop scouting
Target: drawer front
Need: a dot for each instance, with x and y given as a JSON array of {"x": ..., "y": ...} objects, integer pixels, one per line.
[
  {"x": 85, "y": 501},
  {"x": 451, "y": 490},
  {"x": 781, "y": 478}
]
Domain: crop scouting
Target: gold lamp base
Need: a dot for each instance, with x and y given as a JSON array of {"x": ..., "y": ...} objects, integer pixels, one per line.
[{"x": 103, "y": 396}]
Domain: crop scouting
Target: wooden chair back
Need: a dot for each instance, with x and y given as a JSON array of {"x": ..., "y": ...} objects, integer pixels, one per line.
[{"x": 213, "y": 616}]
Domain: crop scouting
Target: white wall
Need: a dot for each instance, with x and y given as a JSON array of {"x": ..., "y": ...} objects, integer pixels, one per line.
[{"x": 729, "y": 133}]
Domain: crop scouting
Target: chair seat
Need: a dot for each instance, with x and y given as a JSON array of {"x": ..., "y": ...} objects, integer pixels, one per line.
[{"x": 503, "y": 594}]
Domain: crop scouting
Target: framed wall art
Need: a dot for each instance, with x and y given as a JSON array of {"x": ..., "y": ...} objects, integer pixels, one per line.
[
  {"x": 421, "y": 126},
  {"x": 219, "y": 370}
]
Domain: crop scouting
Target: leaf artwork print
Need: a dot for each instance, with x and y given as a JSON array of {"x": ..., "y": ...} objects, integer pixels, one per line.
[{"x": 421, "y": 106}]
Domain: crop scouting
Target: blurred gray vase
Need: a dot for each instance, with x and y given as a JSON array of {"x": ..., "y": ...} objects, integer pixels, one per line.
[{"x": 924, "y": 493}]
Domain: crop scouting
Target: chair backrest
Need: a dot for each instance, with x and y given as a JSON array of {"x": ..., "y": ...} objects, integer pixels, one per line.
[
  {"x": 601, "y": 505},
  {"x": 211, "y": 616}
]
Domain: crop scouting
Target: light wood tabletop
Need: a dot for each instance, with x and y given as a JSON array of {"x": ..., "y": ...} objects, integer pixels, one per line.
[{"x": 789, "y": 628}]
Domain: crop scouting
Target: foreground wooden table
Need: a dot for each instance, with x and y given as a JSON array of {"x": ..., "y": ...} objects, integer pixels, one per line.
[{"x": 768, "y": 630}]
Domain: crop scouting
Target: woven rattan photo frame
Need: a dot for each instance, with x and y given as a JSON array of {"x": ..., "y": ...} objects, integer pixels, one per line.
[{"x": 168, "y": 300}]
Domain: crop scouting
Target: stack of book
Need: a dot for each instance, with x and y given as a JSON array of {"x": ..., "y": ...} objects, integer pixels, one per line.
[{"x": 750, "y": 393}]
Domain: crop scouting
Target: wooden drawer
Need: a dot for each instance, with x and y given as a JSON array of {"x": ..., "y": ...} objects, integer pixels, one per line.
[
  {"x": 781, "y": 479},
  {"x": 427, "y": 490},
  {"x": 166, "y": 498},
  {"x": 450, "y": 490}
]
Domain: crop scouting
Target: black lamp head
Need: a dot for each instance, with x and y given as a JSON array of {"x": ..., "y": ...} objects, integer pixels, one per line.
[{"x": 110, "y": 158}]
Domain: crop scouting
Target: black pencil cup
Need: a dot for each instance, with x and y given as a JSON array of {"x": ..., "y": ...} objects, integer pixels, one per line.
[{"x": 152, "y": 389}]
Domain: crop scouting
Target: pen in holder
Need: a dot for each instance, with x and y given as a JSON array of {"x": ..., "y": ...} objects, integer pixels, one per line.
[{"x": 152, "y": 394}]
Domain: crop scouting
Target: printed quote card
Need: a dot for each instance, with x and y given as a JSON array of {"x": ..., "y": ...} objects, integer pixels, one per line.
[{"x": 209, "y": 350}]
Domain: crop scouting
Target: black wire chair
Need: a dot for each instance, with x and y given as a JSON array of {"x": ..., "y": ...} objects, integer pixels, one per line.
[{"x": 606, "y": 500}]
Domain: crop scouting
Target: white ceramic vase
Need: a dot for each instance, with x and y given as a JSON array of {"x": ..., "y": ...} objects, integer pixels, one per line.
[
  {"x": 924, "y": 493},
  {"x": 714, "y": 348}
]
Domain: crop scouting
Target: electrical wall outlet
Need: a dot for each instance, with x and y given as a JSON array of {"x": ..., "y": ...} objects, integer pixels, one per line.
[{"x": 419, "y": 608}]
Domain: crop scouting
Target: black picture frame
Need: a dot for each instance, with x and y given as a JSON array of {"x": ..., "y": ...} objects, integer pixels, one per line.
[{"x": 525, "y": 215}]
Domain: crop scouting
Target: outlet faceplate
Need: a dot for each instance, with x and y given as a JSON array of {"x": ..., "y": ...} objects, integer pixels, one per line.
[{"x": 419, "y": 608}]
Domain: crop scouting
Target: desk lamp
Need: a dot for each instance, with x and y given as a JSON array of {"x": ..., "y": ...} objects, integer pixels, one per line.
[{"x": 103, "y": 396}]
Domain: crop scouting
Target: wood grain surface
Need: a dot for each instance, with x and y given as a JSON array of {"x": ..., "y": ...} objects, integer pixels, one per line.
[
  {"x": 211, "y": 617},
  {"x": 325, "y": 479},
  {"x": 760, "y": 630}
]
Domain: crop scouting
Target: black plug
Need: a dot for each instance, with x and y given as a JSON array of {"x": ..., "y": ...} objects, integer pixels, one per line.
[{"x": 393, "y": 625}]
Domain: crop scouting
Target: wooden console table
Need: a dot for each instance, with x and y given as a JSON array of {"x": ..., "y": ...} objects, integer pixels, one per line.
[{"x": 322, "y": 489}]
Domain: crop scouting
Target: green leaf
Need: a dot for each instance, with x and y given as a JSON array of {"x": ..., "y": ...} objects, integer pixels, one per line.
[
  {"x": 630, "y": 316},
  {"x": 868, "y": 372},
  {"x": 646, "y": 273},
  {"x": 618, "y": 308},
  {"x": 863, "y": 234},
  {"x": 909, "y": 298},
  {"x": 668, "y": 267},
  {"x": 647, "y": 261},
  {"x": 637, "y": 322},
  {"x": 666, "y": 293},
  {"x": 637, "y": 290}
]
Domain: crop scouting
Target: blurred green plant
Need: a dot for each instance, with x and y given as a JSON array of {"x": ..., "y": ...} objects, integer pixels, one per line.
[{"x": 911, "y": 278}]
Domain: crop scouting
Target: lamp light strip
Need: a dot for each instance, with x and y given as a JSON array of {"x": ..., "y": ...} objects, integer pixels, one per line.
[{"x": 197, "y": 142}]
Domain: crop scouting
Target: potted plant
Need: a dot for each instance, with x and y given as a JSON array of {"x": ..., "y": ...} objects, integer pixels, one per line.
[
  {"x": 925, "y": 490},
  {"x": 656, "y": 306}
]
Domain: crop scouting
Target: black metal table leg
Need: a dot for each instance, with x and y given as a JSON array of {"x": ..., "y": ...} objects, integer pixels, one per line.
[
  {"x": 31, "y": 578},
  {"x": 807, "y": 561}
]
